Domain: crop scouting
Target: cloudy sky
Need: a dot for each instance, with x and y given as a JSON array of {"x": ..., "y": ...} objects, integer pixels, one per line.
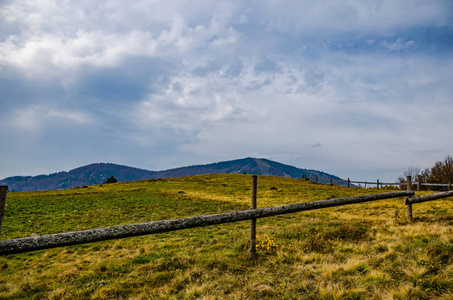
[{"x": 360, "y": 89}]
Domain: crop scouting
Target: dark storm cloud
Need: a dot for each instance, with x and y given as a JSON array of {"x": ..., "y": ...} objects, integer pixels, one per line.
[{"x": 167, "y": 83}]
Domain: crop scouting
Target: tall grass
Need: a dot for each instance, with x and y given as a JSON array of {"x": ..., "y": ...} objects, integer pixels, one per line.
[{"x": 362, "y": 251}]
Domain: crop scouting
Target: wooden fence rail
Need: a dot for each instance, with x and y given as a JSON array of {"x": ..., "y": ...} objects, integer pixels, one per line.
[
  {"x": 381, "y": 184},
  {"x": 28, "y": 244},
  {"x": 409, "y": 183},
  {"x": 431, "y": 197},
  {"x": 420, "y": 199},
  {"x": 436, "y": 184}
]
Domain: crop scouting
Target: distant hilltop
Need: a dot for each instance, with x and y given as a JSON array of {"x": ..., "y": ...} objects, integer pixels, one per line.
[{"x": 98, "y": 173}]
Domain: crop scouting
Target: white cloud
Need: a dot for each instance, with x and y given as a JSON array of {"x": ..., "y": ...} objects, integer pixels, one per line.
[
  {"x": 399, "y": 44},
  {"x": 73, "y": 116},
  {"x": 353, "y": 15},
  {"x": 34, "y": 118},
  {"x": 27, "y": 118}
]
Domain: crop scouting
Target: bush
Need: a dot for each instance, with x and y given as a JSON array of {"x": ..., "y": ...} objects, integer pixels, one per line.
[{"x": 111, "y": 179}]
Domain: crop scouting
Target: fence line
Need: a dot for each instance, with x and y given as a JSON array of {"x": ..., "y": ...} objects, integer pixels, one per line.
[
  {"x": 409, "y": 183},
  {"x": 425, "y": 198},
  {"x": 28, "y": 244},
  {"x": 431, "y": 197},
  {"x": 378, "y": 183},
  {"x": 436, "y": 184}
]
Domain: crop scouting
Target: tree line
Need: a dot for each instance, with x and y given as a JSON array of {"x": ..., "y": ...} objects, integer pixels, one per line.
[{"x": 441, "y": 172}]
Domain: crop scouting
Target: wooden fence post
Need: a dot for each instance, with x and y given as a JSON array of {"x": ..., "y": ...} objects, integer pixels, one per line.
[
  {"x": 331, "y": 182},
  {"x": 349, "y": 183},
  {"x": 253, "y": 221},
  {"x": 3, "y": 192},
  {"x": 377, "y": 184},
  {"x": 316, "y": 178},
  {"x": 409, "y": 206},
  {"x": 419, "y": 183}
]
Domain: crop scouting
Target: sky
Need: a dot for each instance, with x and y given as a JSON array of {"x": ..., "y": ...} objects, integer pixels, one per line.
[{"x": 358, "y": 89}]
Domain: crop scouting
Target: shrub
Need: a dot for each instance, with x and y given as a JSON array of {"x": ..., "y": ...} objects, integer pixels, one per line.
[{"x": 111, "y": 179}]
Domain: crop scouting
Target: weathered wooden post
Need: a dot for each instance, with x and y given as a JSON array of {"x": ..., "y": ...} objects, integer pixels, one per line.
[
  {"x": 253, "y": 221},
  {"x": 3, "y": 192},
  {"x": 419, "y": 183},
  {"x": 349, "y": 183},
  {"x": 409, "y": 206},
  {"x": 377, "y": 184},
  {"x": 316, "y": 178},
  {"x": 331, "y": 182}
]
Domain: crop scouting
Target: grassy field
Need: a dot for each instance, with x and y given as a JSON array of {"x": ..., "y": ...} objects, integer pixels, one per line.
[{"x": 361, "y": 251}]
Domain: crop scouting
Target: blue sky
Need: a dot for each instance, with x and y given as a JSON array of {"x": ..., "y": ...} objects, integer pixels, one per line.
[{"x": 360, "y": 89}]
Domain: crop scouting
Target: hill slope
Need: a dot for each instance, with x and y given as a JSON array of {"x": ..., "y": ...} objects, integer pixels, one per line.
[
  {"x": 360, "y": 251},
  {"x": 97, "y": 173},
  {"x": 87, "y": 175}
]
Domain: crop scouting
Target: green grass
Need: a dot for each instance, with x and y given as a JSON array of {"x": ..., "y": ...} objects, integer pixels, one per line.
[{"x": 361, "y": 251}]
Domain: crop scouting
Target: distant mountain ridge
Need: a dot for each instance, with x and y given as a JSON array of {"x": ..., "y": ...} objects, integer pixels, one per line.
[{"x": 98, "y": 173}]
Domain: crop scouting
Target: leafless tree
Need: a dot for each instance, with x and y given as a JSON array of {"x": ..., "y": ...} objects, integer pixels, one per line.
[
  {"x": 412, "y": 171},
  {"x": 441, "y": 172}
]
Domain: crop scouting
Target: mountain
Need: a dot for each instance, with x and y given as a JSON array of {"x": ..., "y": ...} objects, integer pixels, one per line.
[
  {"x": 88, "y": 175},
  {"x": 98, "y": 173}
]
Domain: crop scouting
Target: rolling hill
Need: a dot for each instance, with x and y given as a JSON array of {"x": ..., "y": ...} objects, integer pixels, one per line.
[{"x": 97, "y": 174}]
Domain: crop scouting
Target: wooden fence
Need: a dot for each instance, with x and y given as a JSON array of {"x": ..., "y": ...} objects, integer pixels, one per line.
[
  {"x": 425, "y": 198},
  {"x": 409, "y": 184},
  {"x": 376, "y": 183},
  {"x": 28, "y": 244}
]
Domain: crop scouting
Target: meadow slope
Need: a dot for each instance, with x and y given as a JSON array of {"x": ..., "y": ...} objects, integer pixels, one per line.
[{"x": 361, "y": 251}]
